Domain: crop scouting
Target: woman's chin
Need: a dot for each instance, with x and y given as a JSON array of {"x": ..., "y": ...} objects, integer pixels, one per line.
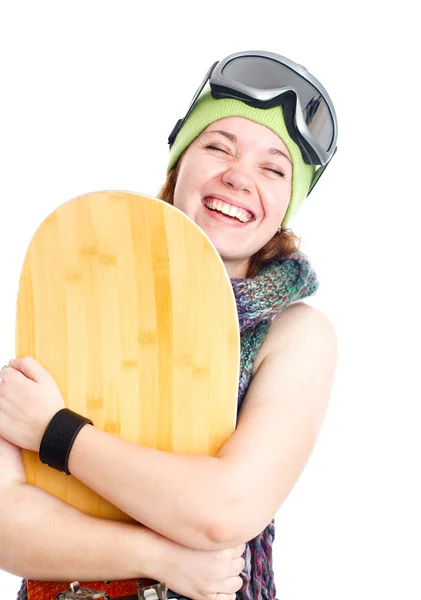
[{"x": 230, "y": 249}]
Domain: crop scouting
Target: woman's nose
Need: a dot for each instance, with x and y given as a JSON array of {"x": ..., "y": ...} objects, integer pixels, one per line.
[{"x": 238, "y": 178}]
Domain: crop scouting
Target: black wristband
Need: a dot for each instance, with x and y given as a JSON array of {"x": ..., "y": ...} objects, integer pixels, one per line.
[{"x": 59, "y": 437}]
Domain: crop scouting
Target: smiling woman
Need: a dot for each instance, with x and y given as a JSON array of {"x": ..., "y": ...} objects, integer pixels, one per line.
[
  {"x": 223, "y": 173},
  {"x": 242, "y": 162}
]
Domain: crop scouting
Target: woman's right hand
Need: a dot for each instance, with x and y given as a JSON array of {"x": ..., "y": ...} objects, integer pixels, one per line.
[{"x": 201, "y": 574}]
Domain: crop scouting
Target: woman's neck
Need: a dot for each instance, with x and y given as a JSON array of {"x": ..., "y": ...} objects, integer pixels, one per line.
[{"x": 236, "y": 269}]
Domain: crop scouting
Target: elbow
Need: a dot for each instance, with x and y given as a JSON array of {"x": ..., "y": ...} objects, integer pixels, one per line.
[
  {"x": 230, "y": 517},
  {"x": 218, "y": 537},
  {"x": 228, "y": 532},
  {"x": 239, "y": 529}
]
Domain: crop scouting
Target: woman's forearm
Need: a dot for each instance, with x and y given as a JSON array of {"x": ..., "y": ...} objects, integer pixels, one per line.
[
  {"x": 43, "y": 538},
  {"x": 186, "y": 498}
]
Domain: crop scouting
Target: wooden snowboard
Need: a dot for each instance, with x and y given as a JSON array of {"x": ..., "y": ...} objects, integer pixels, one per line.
[{"x": 127, "y": 304}]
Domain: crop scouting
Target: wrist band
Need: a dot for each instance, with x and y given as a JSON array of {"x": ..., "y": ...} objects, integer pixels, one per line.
[{"x": 59, "y": 437}]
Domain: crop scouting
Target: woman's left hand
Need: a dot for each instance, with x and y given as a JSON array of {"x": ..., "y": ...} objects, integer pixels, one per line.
[{"x": 29, "y": 398}]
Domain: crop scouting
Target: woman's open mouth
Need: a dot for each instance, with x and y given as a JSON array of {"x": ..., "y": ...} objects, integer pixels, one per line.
[{"x": 227, "y": 213}]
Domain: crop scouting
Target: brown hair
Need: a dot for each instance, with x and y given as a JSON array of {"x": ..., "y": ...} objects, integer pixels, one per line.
[{"x": 282, "y": 245}]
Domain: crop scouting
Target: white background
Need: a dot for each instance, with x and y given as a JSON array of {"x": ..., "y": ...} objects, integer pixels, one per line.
[{"x": 89, "y": 93}]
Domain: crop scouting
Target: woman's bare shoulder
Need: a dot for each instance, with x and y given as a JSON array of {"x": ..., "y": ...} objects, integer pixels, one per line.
[{"x": 299, "y": 319}]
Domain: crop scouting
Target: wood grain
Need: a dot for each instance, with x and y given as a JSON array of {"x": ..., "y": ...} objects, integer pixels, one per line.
[{"x": 125, "y": 301}]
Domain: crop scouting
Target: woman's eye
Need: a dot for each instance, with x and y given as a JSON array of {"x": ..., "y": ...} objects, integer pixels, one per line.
[
  {"x": 210, "y": 147},
  {"x": 280, "y": 173}
]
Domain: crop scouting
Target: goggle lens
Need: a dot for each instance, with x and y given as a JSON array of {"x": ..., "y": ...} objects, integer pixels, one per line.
[{"x": 268, "y": 74}]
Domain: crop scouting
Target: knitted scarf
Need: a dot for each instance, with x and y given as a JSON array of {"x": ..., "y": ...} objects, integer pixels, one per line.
[{"x": 259, "y": 300}]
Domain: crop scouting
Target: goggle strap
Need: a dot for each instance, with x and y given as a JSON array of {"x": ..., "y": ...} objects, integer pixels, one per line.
[
  {"x": 174, "y": 132},
  {"x": 180, "y": 122},
  {"x": 319, "y": 172}
]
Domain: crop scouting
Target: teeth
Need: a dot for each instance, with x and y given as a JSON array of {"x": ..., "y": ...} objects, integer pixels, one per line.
[{"x": 229, "y": 209}]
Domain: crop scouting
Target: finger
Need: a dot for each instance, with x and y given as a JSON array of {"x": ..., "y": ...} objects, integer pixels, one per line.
[
  {"x": 239, "y": 549},
  {"x": 3, "y": 372},
  {"x": 222, "y": 596},
  {"x": 237, "y": 566},
  {"x": 6, "y": 374},
  {"x": 29, "y": 367},
  {"x": 237, "y": 583},
  {"x": 231, "y": 586}
]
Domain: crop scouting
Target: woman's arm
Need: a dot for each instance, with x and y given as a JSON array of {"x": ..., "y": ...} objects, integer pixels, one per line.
[
  {"x": 44, "y": 538},
  {"x": 281, "y": 416},
  {"x": 211, "y": 502}
]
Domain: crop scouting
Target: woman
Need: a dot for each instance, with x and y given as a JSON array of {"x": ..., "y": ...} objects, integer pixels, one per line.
[{"x": 241, "y": 163}]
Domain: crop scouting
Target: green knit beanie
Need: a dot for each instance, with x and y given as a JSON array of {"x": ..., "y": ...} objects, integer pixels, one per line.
[{"x": 208, "y": 109}]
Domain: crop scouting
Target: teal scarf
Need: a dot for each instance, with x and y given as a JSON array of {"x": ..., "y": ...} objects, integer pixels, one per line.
[{"x": 261, "y": 298}]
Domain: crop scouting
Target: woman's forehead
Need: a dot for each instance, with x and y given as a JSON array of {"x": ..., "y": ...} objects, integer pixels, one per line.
[{"x": 240, "y": 130}]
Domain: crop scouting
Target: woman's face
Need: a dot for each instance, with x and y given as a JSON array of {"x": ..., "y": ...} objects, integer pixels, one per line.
[{"x": 235, "y": 183}]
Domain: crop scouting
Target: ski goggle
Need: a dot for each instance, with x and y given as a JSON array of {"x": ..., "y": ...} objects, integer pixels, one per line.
[{"x": 265, "y": 80}]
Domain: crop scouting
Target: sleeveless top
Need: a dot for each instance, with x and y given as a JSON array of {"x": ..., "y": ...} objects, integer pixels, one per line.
[{"x": 259, "y": 299}]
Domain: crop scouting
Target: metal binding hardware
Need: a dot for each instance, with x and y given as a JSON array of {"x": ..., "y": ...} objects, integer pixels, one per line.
[
  {"x": 75, "y": 592},
  {"x": 156, "y": 591}
]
